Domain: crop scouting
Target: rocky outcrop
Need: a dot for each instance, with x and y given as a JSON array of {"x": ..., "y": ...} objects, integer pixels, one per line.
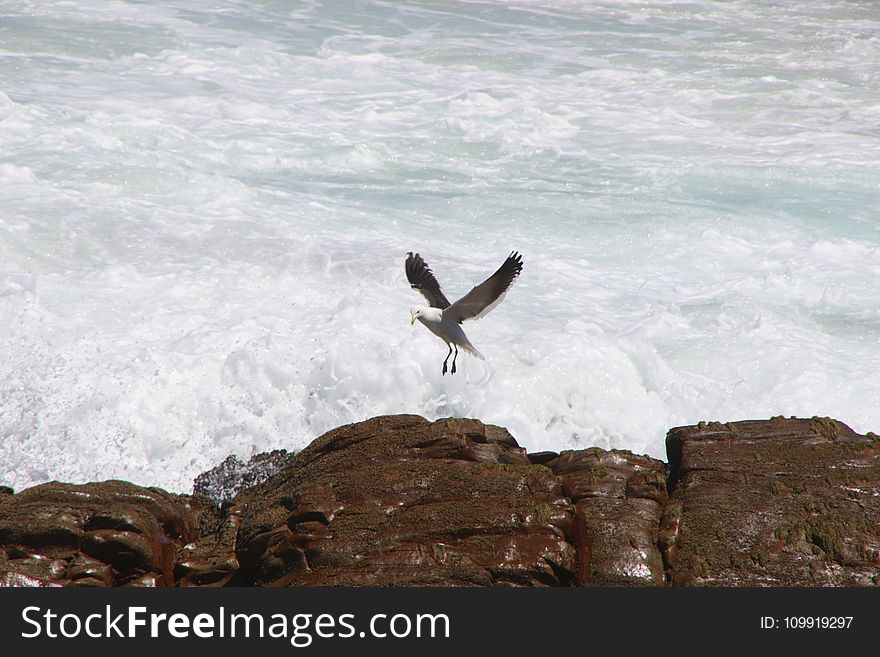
[
  {"x": 783, "y": 502},
  {"x": 105, "y": 534},
  {"x": 618, "y": 498},
  {"x": 399, "y": 500}
]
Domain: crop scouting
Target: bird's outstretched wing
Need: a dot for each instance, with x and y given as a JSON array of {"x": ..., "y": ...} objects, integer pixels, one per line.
[
  {"x": 421, "y": 278},
  {"x": 488, "y": 294}
]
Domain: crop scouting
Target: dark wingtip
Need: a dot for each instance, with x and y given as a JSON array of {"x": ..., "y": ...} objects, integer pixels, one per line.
[{"x": 517, "y": 258}]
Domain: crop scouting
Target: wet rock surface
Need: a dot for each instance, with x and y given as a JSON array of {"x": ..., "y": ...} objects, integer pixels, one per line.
[
  {"x": 101, "y": 534},
  {"x": 401, "y": 501},
  {"x": 784, "y": 502},
  {"x": 618, "y": 497}
]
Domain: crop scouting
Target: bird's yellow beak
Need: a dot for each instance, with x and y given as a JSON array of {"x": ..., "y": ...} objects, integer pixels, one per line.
[{"x": 412, "y": 320}]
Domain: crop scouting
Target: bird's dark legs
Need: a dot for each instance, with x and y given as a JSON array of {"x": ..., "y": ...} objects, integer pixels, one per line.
[
  {"x": 447, "y": 358},
  {"x": 453, "y": 359}
]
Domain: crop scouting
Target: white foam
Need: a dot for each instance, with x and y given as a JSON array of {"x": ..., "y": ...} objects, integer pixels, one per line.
[{"x": 204, "y": 213}]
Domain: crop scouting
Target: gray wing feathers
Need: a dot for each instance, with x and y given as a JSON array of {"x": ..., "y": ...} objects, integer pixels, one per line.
[
  {"x": 484, "y": 297},
  {"x": 421, "y": 278}
]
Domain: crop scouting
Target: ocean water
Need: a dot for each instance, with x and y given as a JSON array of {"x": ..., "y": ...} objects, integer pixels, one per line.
[{"x": 205, "y": 209}]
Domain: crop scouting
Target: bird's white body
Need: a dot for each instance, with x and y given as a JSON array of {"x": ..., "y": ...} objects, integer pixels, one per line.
[{"x": 448, "y": 331}]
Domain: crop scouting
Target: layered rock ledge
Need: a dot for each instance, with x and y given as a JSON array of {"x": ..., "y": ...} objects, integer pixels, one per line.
[{"x": 401, "y": 501}]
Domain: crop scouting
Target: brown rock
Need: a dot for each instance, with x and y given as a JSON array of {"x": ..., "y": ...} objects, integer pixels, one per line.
[
  {"x": 210, "y": 560},
  {"x": 619, "y": 498},
  {"x": 102, "y": 534},
  {"x": 402, "y": 501},
  {"x": 399, "y": 500},
  {"x": 784, "y": 502}
]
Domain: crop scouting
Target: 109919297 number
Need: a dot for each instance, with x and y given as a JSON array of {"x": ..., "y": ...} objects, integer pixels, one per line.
[{"x": 817, "y": 622}]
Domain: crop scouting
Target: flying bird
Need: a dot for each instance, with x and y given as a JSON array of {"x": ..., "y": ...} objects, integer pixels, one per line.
[{"x": 442, "y": 318}]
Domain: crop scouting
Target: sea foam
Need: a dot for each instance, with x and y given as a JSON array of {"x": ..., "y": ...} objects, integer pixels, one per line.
[{"x": 205, "y": 210}]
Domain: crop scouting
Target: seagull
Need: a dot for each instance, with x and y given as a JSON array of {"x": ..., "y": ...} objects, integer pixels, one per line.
[{"x": 442, "y": 318}]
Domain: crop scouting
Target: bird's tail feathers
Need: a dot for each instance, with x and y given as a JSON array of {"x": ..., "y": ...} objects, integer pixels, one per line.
[{"x": 468, "y": 347}]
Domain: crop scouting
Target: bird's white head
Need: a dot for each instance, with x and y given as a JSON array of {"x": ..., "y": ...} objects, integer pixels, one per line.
[{"x": 427, "y": 315}]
